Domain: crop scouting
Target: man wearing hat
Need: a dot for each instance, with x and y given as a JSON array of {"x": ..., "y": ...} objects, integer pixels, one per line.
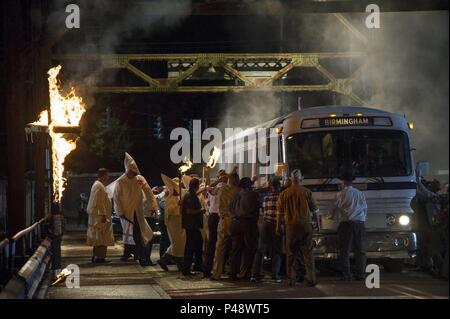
[
  {"x": 350, "y": 208},
  {"x": 295, "y": 206}
]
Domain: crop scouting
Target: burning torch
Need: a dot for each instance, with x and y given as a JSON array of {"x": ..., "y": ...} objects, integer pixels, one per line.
[
  {"x": 61, "y": 123},
  {"x": 212, "y": 161},
  {"x": 183, "y": 169}
]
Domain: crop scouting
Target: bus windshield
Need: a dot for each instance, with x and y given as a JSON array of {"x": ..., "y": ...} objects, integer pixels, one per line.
[{"x": 371, "y": 153}]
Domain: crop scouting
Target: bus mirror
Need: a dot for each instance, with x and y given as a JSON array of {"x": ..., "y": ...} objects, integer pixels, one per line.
[
  {"x": 280, "y": 169},
  {"x": 422, "y": 168}
]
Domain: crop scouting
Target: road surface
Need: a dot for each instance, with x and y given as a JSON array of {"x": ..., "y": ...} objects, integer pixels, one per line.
[{"x": 129, "y": 280}]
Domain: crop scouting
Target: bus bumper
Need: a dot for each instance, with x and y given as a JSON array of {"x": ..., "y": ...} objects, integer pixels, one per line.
[{"x": 394, "y": 245}]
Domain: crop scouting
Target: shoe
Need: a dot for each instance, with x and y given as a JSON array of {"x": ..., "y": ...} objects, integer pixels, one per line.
[
  {"x": 277, "y": 279},
  {"x": 212, "y": 278},
  {"x": 310, "y": 283},
  {"x": 125, "y": 258},
  {"x": 101, "y": 261},
  {"x": 163, "y": 265},
  {"x": 255, "y": 279},
  {"x": 151, "y": 263},
  {"x": 234, "y": 278},
  {"x": 144, "y": 263},
  {"x": 198, "y": 269},
  {"x": 207, "y": 275},
  {"x": 188, "y": 274},
  {"x": 291, "y": 282}
]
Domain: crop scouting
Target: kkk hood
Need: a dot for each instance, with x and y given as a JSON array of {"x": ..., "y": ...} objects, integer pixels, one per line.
[
  {"x": 171, "y": 184},
  {"x": 130, "y": 164}
]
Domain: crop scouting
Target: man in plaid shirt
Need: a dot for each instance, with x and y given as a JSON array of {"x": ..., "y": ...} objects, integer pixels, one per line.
[{"x": 268, "y": 235}]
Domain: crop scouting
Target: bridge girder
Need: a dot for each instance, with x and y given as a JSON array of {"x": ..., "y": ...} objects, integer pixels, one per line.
[{"x": 248, "y": 72}]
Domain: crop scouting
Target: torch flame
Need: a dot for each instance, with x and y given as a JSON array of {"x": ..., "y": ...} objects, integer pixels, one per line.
[
  {"x": 65, "y": 111},
  {"x": 212, "y": 161},
  {"x": 187, "y": 166},
  {"x": 43, "y": 119}
]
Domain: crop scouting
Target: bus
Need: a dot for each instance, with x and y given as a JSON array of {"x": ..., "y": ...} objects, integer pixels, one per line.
[{"x": 320, "y": 141}]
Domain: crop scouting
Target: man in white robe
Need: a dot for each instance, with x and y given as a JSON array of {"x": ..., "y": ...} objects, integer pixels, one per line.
[
  {"x": 128, "y": 203},
  {"x": 150, "y": 213},
  {"x": 177, "y": 234},
  {"x": 99, "y": 232}
]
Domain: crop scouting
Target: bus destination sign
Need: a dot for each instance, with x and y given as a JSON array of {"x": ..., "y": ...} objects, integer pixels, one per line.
[{"x": 346, "y": 121}]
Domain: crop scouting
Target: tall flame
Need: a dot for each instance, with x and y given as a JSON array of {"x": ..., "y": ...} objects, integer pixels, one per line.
[
  {"x": 212, "y": 161},
  {"x": 65, "y": 111},
  {"x": 187, "y": 166},
  {"x": 43, "y": 119}
]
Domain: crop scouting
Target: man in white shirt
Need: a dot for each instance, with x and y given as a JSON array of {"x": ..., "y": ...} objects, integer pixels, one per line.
[
  {"x": 351, "y": 209},
  {"x": 213, "y": 221}
]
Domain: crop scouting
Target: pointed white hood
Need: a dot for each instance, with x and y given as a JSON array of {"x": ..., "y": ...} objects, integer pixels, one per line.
[{"x": 130, "y": 164}]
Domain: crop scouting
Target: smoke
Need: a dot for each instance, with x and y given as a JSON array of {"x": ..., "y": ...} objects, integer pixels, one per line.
[
  {"x": 247, "y": 109},
  {"x": 145, "y": 17},
  {"x": 139, "y": 19},
  {"x": 262, "y": 7},
  {"x": 408, "y": 61},
  {"x": 414, "y": 73},
  {"x": 406, "y": 73}
]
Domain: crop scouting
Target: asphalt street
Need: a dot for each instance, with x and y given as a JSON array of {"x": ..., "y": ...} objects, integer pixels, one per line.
[{"x": 119, "y": 279}]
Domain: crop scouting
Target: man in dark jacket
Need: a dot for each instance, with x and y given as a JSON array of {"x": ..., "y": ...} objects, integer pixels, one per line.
[
  {"x": 244, "y": 208},
  {"x": 192, "y": 222}
]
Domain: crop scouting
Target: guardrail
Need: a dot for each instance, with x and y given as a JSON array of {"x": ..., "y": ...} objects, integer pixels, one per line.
[
  {"x": 26, "y": 282},
  {"x": 22, "y": 244},
  {"x": 28, "y": 239}
]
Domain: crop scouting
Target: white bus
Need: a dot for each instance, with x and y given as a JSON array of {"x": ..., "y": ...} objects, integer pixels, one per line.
[{"x": 321, "y": 141}]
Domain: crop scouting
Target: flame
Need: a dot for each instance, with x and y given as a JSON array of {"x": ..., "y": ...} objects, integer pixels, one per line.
[
  {"x": 212, "y": 161},
  {"x": 65, "y": 111},
  {"x": 187, "y": 166},
  {"x": 43, "y": 119}
]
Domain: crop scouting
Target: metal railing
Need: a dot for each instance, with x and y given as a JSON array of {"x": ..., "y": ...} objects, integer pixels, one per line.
[
  {"x": 24, "y": 242},
  {"x": 4, "y": 252}
]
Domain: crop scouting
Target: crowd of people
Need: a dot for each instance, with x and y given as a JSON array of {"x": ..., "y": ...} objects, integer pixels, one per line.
[{"x": 214, "y": 229}]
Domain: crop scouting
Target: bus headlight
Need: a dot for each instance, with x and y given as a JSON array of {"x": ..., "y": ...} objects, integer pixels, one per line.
[{"x": 404, "y": 220}]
